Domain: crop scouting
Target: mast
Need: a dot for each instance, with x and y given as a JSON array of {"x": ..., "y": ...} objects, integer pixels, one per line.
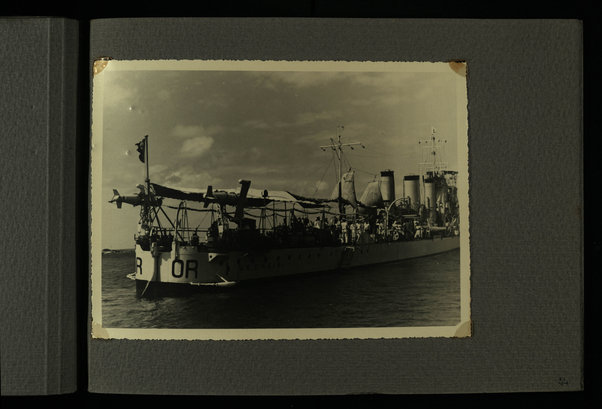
[
  {"x": 337, "y": 146},
  {"x": 145, "y": 200},
  {"x": 431, "y": 154},
  {"x": 147, "y": 180}
]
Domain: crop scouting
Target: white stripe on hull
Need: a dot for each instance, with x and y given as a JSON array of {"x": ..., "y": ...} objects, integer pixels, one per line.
[{"x": 187, "y": 265}]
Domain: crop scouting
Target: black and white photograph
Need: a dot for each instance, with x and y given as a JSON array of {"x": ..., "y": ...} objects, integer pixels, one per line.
[{"x": 279, "y": 200}]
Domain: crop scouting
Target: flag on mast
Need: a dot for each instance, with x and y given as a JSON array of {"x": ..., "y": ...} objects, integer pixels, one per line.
[{"x": 141, "y": 148}]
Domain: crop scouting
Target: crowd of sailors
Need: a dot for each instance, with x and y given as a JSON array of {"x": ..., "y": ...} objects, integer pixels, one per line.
[
  {"x": 354, "y": 229},
  {"x": 350, "y": 229}
]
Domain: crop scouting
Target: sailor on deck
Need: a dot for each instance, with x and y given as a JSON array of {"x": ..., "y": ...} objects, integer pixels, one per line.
[
  {"x": 353, "y": 231},
  {"x": 317, "y": 223},
  {"x": 336, "y": 226},
  {"x": 194, "y": 240},
  {"x": 418, "y": 234},
  {"x": 344, "y": 232}
]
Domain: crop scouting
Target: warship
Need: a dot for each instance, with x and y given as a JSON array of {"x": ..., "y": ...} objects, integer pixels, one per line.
[{"x": 254, "y": 234}]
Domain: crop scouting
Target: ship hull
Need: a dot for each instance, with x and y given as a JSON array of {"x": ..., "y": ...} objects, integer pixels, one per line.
[{"x": 188, "y": 268}]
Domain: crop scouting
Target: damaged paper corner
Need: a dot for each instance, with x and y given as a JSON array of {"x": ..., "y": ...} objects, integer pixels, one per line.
[
  {"x": 100, "y": 64},
  {"x": 98, "y": 331},
  {"x": 459, "y": 67},
  {"x": 464, "y": 329}
]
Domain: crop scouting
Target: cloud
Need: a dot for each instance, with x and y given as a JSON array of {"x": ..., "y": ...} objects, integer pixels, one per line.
[
  {"x": 158, "y": 169},
  {"x": 307, "y": 118},
  {"x": 301, "y": 119},
  {"x": 190, "y": 131},
  {"x": 188, "y": 178},
  {"x": 304, "y": 79},
  {"x": 197, "y": 138},
  {"x": 118, "y": 92},
  {"x": 196, "y": 146},
  {"x": 187, "y": 131},
  {"x": 261, "y": 124}
]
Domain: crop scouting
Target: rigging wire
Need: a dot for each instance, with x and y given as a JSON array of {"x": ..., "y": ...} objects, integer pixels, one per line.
[
  {"x": 346, "y": 160},
  {"x": 323, "y": 174},
  {"x": 375, "y": 174},
  {"x": 371, "y": 156},
  {"x": 202, "y": 220},
  {"x": 268, "y": 214},
  {"x": 372, "y": 151},
  {"x": 192, "y": 209},
  {"x": 363, "y": 170}
]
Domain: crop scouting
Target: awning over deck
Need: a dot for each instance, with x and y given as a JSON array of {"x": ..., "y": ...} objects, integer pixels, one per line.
[{"x": 255, "y": 197}]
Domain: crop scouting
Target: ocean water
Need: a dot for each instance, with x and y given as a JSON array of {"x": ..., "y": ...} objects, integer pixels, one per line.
[{"x": 417, "y": 292}]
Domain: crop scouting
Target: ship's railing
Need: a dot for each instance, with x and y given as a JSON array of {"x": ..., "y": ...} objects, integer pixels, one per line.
[
  {"x": 288, "y": 225},
  {"x": 162, "y": 231}
]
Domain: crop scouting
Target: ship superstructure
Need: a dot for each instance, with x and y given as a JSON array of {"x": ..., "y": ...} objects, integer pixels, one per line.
[{"x": 254, "y": 233}]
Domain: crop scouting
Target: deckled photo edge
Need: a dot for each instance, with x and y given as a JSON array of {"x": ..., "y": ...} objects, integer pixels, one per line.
[{"x": 98, "y": 331}]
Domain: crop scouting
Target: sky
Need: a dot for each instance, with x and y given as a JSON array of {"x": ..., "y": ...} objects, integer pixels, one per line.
[{"x": 216, "y": 127}]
